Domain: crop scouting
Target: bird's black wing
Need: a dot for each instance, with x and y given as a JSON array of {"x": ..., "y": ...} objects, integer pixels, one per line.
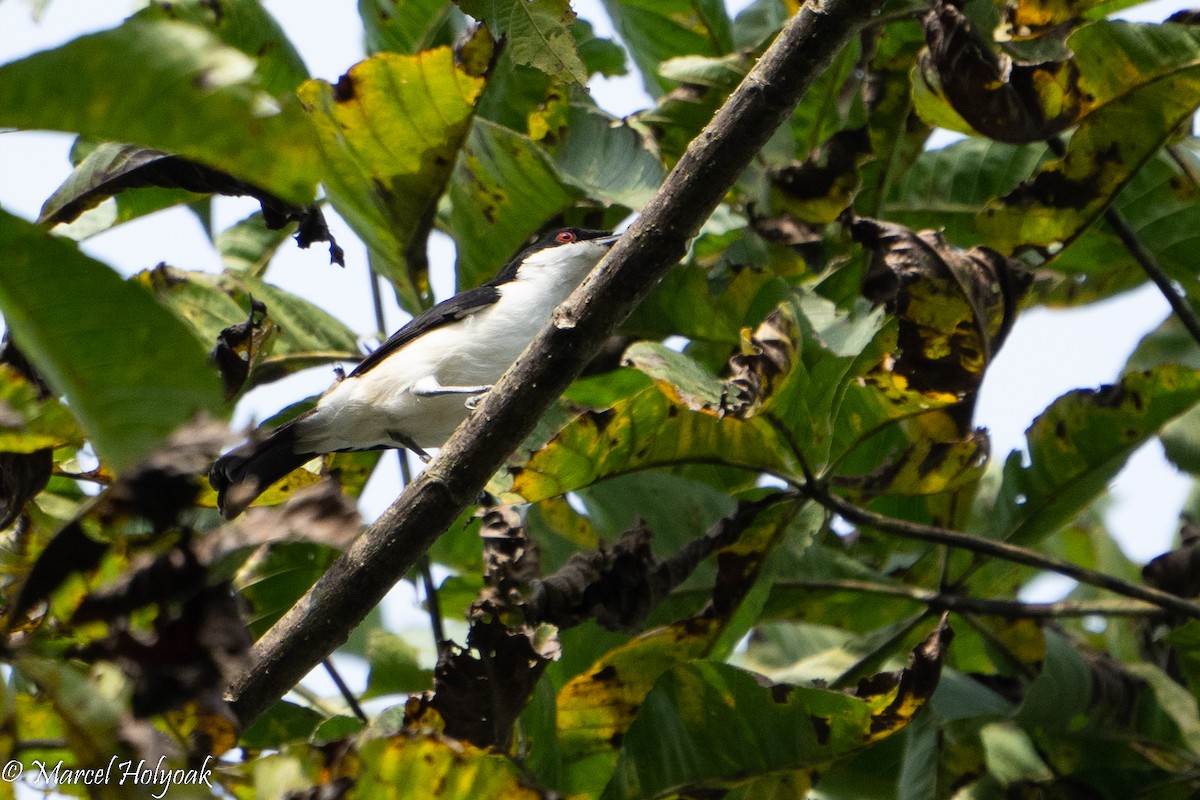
[{"x": 445, "y": 312}]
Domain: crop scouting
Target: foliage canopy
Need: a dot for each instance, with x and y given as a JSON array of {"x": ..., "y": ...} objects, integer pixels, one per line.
[{"x": 774, "y": 560}]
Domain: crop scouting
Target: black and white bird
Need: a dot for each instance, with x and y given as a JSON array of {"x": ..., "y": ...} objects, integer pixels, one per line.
[{"x": 416, "y": 388}]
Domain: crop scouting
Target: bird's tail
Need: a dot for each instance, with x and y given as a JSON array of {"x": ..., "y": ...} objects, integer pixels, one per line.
[{"x": 247, "y": 471}]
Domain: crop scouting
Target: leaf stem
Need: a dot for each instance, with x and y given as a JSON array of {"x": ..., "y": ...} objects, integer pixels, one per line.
[
  {"x": 998, "y": 549},
  {"x": 1146, "y": 259},
  {"x": 1009, "y": 609}
]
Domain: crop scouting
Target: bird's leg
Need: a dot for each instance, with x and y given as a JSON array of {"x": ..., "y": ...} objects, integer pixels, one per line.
[
  {"x": 431, "y": 391},
  {"x": 407, "y": 443}
]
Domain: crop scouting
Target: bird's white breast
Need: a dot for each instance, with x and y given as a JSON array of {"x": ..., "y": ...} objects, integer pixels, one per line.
[{"x": 362, "y": 411}]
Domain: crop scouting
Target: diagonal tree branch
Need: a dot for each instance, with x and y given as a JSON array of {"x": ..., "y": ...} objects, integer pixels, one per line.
[{"x": 354, "y": 584}]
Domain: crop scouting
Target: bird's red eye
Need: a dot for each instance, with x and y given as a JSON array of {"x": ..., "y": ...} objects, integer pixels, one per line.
[{"x": 564, "y": 237}]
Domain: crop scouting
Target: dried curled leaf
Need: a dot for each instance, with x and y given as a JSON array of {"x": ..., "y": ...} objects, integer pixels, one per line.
[
  {"x": 1002, "y": 99},
  {"x": 765, "y": 359},
  {"x": 1178, "y": 571},
  {"x": 954, "y": 308},
  {"x": 112, "y": 168},
  {"x": 238, "y": 346}
]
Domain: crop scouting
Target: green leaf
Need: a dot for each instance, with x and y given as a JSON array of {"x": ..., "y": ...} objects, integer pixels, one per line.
[
  {"x": 29, "y": 423},
  {"x": 657, "y": 30},
  {"x": 304, "y": 336},
  {"x": 129, "y": 385},
  {"x": 947, "y": 188},
  {"x": 600, "y": 56},
  {"x": 394, "y": 668},
  {"x": 710, "y": 725},
  {"x": 406, "y": 26},
  {"x": 389, "y": 134},
  {"x": 596, "y": 706},
  {"x": 245, "y": 25},
  {"x": 272, "y": 583},
  {"x": 1079, "y": 444},
  {"x": 249, "y": 245},
  {"x": 283, "y": 722},
  {"x": 504, "y": 188},
  {"x": 537, "y": 33},
  {"x": 648, "y": 429},
  {"x": 592, "y": 144},
  {"x": 169, "y": 86}
]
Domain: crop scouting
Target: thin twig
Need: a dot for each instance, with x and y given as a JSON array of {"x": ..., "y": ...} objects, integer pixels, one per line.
[
  {"x": 998, "y": 549},
  {"x": 1009, "y": 609},
  {"x": 347, "y": 695}
]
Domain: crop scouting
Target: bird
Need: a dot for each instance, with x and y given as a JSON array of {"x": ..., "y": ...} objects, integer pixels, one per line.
[{"x": 414, "y": 389}]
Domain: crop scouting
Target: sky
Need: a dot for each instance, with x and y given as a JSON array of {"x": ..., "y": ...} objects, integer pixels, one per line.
[{"x": 1047, "y": 354}]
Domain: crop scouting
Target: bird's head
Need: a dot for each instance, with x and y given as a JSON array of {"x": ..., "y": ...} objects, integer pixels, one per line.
[{"x": 570, "y": 251}]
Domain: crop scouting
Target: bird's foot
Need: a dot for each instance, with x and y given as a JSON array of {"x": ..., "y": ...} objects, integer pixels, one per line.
[
  {"x": 474, "y": 401},
  {"x": 407, "y": 443}
]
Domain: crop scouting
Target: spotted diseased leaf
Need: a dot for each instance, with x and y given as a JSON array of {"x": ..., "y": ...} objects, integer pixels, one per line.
[
  {"x": 30, "y": 419},
  {"x": 1029, "y": 19},
  {"x": 405, "y": 26},
  {"x": 1079, "y": 444},
  {"x": 1004, "y": 100},
  {"x": 457, "y": 771},
  {"x": 1139, "y": 79},
  {"x": 504, "y": 189},
  {"x": 820, "y": 188},
  {"x": 537, "y": 32},
  {"x": 596, "y": 708},
  {"x": 954, "y": 308},
  {"x": 285, "y": 333},
  {"x": 644, "y": 430},
  {"x": 928, "y": 465},
  {"x": 707, "y": 725},
  {"x": 389, "y": 132}
]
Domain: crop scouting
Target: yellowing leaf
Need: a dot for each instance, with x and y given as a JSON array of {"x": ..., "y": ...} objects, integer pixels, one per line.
[{"x": 389, "y": 133}]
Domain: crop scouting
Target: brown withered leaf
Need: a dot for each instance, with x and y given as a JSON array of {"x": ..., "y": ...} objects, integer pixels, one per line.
[
  {"x": 1178, "y": 571},
  {"x": 818, "y": 189},
  {"x": 999, "y": 97},
  {"x": 158, "y": 489},
  {"x": 189, "y": 658},
  {"x": 765, "y": 357},
  {"x": 112, "y": 168},
  {"x": 954, "y": 307},
  {"x": 238, "y": 346},
  {"x": 479, "y": 691}
]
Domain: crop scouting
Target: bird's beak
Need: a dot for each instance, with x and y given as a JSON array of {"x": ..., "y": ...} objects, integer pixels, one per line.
[{"x": 608, "y": 241}]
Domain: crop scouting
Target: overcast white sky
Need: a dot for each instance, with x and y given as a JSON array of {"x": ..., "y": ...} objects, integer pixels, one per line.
[{"x": 1047, "y": 354}]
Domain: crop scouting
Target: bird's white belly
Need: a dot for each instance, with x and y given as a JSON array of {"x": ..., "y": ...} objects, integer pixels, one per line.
[{"x": 376, "y": 408}]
